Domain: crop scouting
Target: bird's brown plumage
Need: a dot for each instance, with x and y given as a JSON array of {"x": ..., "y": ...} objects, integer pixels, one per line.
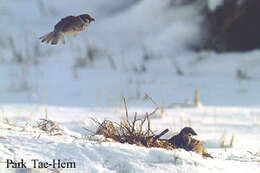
[
  {"x": 184, "y": 140},
  {"x": 198, "y": 147},
  {"x": 67, "y": 26}
]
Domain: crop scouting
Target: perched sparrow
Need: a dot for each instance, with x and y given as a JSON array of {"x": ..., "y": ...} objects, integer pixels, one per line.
[
  {"x": 67, "y": 26},
  {"x": 184, "y": 140}
]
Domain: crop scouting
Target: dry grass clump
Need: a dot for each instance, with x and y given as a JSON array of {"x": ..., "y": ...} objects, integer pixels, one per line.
[
  {"x": 49, "y": 126},
  {"x": 133, "y": 132}
]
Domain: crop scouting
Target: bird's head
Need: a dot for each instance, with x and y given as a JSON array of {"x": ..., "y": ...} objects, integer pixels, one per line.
[
  {"x": 188, "y": 131},
  {"x": 86, "y": 18}
]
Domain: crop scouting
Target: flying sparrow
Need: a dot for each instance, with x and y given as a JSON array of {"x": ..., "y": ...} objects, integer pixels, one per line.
[{"x": 69, "y": 25}]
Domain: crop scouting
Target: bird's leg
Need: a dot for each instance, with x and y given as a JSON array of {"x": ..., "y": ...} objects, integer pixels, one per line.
[{"x": 62, "y": 39}]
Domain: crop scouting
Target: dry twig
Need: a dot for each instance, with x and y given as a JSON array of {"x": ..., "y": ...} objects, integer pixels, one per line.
[{"x": 132, "y": 132}]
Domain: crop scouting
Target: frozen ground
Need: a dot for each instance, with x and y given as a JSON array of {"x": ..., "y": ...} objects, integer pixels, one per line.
[{"x": 139, "y": 47}]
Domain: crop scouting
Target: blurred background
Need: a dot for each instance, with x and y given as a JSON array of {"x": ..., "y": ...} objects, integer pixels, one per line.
[{"x": 167, "y": 49}]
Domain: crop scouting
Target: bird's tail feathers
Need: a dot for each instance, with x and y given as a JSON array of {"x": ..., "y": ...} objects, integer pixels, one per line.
[
  {"x": 52, "y": 38},
  {"x": 207, "y": 155}
]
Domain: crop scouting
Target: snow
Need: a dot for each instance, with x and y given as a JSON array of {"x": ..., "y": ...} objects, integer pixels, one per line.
[
  {"x": 24, "y": 140},
  {"x": 139, "y": 46},
  {"x": 213, "y": 4}
]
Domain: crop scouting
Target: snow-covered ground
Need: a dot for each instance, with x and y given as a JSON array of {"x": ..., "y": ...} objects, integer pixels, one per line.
[
  {"x": 140, "y": 46},
  {"x": 20, "y": 138}
]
